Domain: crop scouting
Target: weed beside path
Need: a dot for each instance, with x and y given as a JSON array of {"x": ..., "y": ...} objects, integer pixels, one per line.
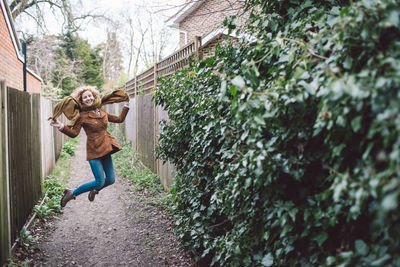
[{"x": 119, "y": 228}]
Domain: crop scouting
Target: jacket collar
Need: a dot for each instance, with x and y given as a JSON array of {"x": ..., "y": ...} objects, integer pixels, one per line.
[{"x": 93, "y": 115}]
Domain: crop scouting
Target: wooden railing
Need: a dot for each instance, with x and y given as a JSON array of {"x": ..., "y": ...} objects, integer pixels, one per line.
[{"x": 147, "y": 80}]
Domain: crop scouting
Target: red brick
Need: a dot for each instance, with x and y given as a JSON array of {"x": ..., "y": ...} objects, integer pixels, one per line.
[
  {"x": 209, "y": 16},
  {"x": 11, "y": 68}
]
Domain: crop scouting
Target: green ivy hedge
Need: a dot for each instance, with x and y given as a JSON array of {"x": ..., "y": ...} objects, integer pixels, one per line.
[{"x": 287, "y": 146}]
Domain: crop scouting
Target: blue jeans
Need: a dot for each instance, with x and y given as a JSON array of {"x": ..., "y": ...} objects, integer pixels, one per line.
[{"x": 104, "y": 175}]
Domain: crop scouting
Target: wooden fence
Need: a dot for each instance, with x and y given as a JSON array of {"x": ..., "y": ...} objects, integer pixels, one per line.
[
  {"x": 5, "y": 225},
  {"x": 24, "y": 147},
  {"x": 142, "y": 124},
  {"x": 29, "y": 147}
]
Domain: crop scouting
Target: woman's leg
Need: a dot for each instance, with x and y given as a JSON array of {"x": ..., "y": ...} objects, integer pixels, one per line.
[
  {"x": 108, "y": 167},
  {"x": 98, "y": 172}
]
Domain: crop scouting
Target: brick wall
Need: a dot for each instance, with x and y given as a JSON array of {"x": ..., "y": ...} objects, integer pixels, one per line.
[
  {"x": 33, "y": 84},
  {"x": 11, "y": 68},
  {"x": 210, "y": 16}
]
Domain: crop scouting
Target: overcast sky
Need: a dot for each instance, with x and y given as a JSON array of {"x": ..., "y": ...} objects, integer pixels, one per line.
[
  {"x": 162, "y": 10},
  {"x": 96, "y": 32}
]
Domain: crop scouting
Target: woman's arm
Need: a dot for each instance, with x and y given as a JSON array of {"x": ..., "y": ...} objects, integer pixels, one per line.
[
  {"x": 71, "y": 132},
  {"x": 121, "y": 117}
]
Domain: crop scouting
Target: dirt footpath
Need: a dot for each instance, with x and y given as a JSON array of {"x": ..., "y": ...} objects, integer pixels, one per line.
[{"x": 117, "y": 229}]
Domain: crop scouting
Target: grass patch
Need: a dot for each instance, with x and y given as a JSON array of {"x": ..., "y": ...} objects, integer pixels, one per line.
[
  {"x": 54, "y": 184},
  {"x": 63, "y": 166},
  {"x": 128, "y": 165}
]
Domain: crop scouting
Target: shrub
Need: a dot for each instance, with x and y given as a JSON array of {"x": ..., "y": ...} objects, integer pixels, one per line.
[
  {"x": 69, "y": 147},
  {"x": 128, "y": 165},
  {"x": 287, "y": 148}
]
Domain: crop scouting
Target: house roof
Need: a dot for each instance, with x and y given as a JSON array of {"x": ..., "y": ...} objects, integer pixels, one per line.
[
  {"x": 11, "y": 29},
  {"x": 13, "y": 33},
  {"x": 184, "y": 12}
]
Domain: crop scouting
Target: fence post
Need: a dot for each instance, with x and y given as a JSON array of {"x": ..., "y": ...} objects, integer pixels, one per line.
[
  {"x": 5, "y": 228},
  {"x": 36, "y": 145},
  {"x": 155, "y": 121},
  {"x": 197, "y": 47},
  {"x": 136, "y": 116}
]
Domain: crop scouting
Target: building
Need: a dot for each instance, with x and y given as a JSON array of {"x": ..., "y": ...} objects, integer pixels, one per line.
[
  {"x": 205, "y": 18},
  {"x": 11, "y": 56}
]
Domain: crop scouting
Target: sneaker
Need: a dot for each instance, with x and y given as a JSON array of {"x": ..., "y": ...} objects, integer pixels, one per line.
[
  {"x": 92, "y": 194},
  {"x": 68, "y": 195}
]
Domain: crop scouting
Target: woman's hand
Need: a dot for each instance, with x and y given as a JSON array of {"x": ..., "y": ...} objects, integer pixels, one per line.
[
  {"x": 126, "y": 104},
  {"x": 57, "y": 124}
]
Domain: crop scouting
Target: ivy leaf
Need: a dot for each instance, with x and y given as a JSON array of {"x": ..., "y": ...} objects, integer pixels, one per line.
[
  {"x": 233, "y": 90},
  {"x": 348, "y": 63},
  {"x": 361, "y": 247},
  {"x": 298, "y": 72},
  {"x": 239, "y": 81},
  {"x": 356, "y": 123},
  {"x": 321, "y": 238},
  {"x": 307, "y": 86},
  {"x": 267, "y": 260},
  {"x": 279, "y": 41},
  {"x": 259, "y": 119},
  {"x": 390, "y": 201},
  {"x": 394, "y": 18}
]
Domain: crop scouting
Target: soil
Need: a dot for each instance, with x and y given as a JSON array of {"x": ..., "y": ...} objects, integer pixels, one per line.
[{"x": 119, "y": 228}]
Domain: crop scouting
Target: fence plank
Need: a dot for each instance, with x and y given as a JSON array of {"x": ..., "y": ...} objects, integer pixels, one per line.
[
  {"x": 165, "y": 171},
  {"x": 145, "y": 129},
  {"x": 47, "y": 137},
  {"x": 5, "y": 230},
  {"x": 130, "y": 125},
  {"x": 58, "y": 137},
  {"x": 36, "y": 146},
  {"x": 23, "y": 180}
]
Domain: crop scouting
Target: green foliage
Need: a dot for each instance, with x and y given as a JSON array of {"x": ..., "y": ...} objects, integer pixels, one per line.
[
  {"x": 128, "y": 165},
  {"x": 287, "y": 148},
  {"x": 91, "y": 64},
  {"x": 54, "y": 184},
  {"x": 69, "y": 148},
  {"x": 86, "y": 60},
  {"x": 19, "y": 264},
  {"x": 51, "y": 203},
  {"x": 25, "y": 238}
]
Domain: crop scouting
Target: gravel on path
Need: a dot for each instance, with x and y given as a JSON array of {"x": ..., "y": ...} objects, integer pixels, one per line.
[{"x": 117, "y": 229}]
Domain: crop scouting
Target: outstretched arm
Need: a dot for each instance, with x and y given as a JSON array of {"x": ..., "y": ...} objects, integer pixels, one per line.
[
  {"x": 71, "y": 132},
  {"x": 121, "y": 117},
  {"x": 57, "y": 124}
]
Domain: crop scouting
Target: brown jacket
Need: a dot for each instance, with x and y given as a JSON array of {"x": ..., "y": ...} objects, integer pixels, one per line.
[{"x": 99, "y": 141}]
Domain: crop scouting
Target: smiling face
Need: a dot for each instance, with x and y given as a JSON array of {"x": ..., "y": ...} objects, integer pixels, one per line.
[{"x": 87, "y": 98}]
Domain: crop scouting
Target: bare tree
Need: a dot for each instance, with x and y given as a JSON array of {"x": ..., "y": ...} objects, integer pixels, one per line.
[
  {"x": 112, "y": 58},
  {"x": 42, "y": 53},
  {"x": 52, "y": 67},
  {"x": 138, "y": 49},
  {"x": 68, "y": 69},
  {"x": 156, "y": 37},
  {"x": 69, "y": 13},
  {"x": 142, "y": 49}
]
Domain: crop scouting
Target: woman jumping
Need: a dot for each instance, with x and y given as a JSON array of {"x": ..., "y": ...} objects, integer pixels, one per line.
[{"x": 83, "y": 109}]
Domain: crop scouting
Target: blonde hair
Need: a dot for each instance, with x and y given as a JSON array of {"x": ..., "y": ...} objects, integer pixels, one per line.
[{"x": 78, "y": 92}]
